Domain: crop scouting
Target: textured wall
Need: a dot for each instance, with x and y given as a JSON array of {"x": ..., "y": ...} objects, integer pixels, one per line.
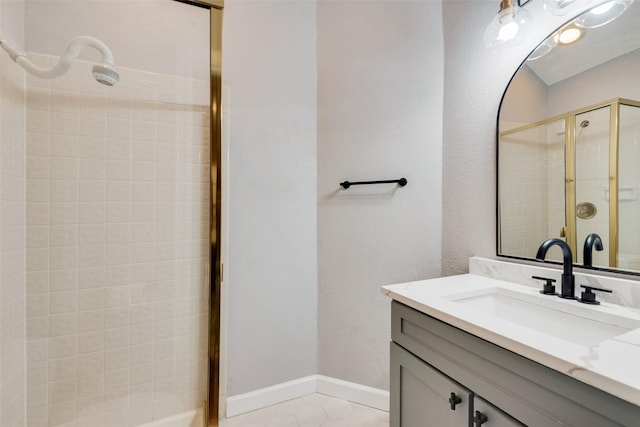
[
  {"x": 269, "y": 57},
  {"x": 474, "y": 84},
  {"x": 12, "y": 227},
  {"x": 379, "y": 117}
]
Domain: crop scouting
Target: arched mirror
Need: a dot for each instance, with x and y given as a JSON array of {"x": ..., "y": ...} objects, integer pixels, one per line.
[{"x": 569, "y": 143}]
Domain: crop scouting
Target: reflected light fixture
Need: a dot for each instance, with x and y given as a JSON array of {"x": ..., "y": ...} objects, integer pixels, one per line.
[
  {"x": 569, "y": 34},
  {"x": 603, "y": 14},
  {"x": 508, "y": 28},
  {"x": 559, "y": 7},
  {"x": 543, "y": 48}
]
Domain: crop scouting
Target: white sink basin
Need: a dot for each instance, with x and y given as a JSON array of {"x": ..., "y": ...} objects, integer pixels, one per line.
[{"x": 567, "y": 320}]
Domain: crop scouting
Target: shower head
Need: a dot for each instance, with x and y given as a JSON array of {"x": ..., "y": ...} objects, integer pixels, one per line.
[{"x": 103, "y": 72}]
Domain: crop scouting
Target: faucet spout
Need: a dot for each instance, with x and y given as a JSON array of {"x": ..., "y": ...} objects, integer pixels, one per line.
[
  {"x": 592, "y": 241},
  {"x": 568, "y": 280}
]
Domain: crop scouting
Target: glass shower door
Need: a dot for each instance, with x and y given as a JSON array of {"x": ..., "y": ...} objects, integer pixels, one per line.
[{"x": 592, "y": 134}]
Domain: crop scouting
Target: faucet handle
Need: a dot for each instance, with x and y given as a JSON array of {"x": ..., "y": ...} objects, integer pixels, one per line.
[
  {"x": 588, "y": 297},
  {"x": 549, "y": 287}
]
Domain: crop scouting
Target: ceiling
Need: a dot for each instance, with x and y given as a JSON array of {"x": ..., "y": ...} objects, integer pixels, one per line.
[{"x": 598, "y": 46}]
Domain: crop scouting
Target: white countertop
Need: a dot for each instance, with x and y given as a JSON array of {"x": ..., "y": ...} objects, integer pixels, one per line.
[{"x": 612, "y": 365}]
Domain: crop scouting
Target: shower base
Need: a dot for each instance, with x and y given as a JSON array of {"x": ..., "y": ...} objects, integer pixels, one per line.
[{"x": 186, "y": 419}]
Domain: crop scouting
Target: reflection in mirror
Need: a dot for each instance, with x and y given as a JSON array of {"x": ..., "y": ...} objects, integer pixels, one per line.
[{"x": 569, "y": 145}]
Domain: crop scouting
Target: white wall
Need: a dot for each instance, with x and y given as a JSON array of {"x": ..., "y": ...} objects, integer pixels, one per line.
[
  {"x": 149, "y": 47},
  {"x": 474, "y": 83},
  {"x": 379, "y": 117},
  {"x": 269, "y": 60},
  {"x": 13, "y": 391}
]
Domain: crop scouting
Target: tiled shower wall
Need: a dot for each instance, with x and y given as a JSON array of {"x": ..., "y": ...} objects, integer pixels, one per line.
[
  {"x": 12, "y": 238},
  {"x": 117, "y": 211}
]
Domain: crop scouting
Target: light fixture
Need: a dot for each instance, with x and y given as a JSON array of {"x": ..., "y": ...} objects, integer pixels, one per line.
[
  {"x": 543, "y": 48},
  {"x": 508, "y": 28},
  {"x": 559, "y": 7},
  {"x": 603, "y": 14},
  {"x": 569, "y": 34}
]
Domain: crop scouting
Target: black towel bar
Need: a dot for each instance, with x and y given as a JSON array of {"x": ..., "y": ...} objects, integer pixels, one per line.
[{"x": 401, "y": 182}]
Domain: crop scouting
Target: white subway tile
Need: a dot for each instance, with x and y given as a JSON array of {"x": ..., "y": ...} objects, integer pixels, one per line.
[
  {"x": 37, "y": 282},
  {"x": 63, "y": 302},
  {"x": 91, "y": 234},
  {"x": 64, "y": 213},
  {"x": 91, "y": 383},
  {"x": 38, "y": 121},
  {"x": 142, "y": 313},
  {"x": 92, "y": 127},
  {"x": 117, "y": 275},
  {"x": 91, "y": 256},
  {"x": 37, "y": 213},
  {"x": 63, "y": 346},
  {"x": 63, "y": 235},
  {"x": 118, "y": 316},
  {"x": 92, "y": 320},
  {"x": 91, "y": 213},
  {"x": 63, "y": 324},
  {"x": 63, "y": 369},
  {"x": 37, "y": 305},
  {"x": 62, "y": 413},
  {"x": 144, "y": 151},
  {"x": 117, "y": 296},
  {"x": 91, "y": 277},
  {"x": 38, "y": 144},
  {"x": 93, "y": 170},
  {"x": 38, "y": 190},
  {"x": 90, "y": 342},
  {"x": 91, "y": 364},
  {"x": 63, "y": 258},
  {"x": 92, "y": 147},
  {"x": 37, "y": 327},
  {"x": 63, "y": 280},
  {"x": 92, "y": 191},
  {"x": 38, "y": 167},
  {"x": 64, "y": 124},
  {"x": 119, "y": 191},
  {"x": 64, "y": 145},
  {"x": 37, "y": 373},
  {"x": 64, "y": 191},
  {"x": 91, "y": 299},
  {"x": 37, "y": 236}
]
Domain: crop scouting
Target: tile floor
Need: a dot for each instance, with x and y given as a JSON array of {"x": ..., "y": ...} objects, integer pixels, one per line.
[{"x": 314, "y": 410}]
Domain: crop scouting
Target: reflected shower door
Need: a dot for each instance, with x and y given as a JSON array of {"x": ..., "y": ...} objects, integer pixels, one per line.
[
  {"x": 531, "y": 179},
  {"x": 628, "y": 186},
  {"x": 592, "y": 134}
]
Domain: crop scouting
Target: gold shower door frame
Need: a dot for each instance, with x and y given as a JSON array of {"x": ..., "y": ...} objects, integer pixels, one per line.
[
  {"x": 570, "y": 230},
  {"x": 211, "y": 406}
]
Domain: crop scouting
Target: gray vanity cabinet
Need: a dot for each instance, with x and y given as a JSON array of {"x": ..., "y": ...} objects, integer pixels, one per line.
[
  {"x": 425, "y": 397},
  {"x": 431, "y": 359}
]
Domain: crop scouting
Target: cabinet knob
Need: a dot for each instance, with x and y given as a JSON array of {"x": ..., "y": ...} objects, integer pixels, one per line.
[
  {"x": 479, "y": 419},
  {"x": 454, "y": 400}
]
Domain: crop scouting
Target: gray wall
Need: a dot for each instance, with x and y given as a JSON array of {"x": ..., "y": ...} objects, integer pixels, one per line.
[
  {"x": 380, "y": 85},
  {"x": 269, "y": 57}
]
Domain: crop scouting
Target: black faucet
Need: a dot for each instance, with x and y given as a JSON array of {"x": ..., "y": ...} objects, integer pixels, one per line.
[
  {"x": 568, "y": 286},
  {"x": 592, "y": 240}
]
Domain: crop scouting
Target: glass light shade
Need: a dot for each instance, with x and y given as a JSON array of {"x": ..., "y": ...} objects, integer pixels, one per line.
[
  {"x": 559, "y": 7},
  {"x": 508, "y": 28},
  {"x": 603, "y": 14},
  {"x": 543, "y": 48}
]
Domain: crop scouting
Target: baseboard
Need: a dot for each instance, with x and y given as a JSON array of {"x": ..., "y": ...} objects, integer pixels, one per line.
[
  {"x": 353, "y": 392},
  {"x": 333, "y": 387},
  {"x": 268, "y": 396}
]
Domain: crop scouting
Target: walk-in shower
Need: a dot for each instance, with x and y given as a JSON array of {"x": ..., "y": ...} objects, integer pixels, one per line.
[{"x": 109, "y": 213}]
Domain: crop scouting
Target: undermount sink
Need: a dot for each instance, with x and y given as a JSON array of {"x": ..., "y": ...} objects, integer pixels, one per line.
[{"x": 567, "y": 320}]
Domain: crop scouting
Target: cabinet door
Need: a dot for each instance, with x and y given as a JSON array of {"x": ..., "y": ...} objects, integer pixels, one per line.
[
  {"x": 487, "y": 415},
  {"x": 423, "y": 397}
]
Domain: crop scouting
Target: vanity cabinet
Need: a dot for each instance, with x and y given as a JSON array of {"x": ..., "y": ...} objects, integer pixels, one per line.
[
  {"x": 429, "y": 398},
  {"x": 431, "y": 359}
]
